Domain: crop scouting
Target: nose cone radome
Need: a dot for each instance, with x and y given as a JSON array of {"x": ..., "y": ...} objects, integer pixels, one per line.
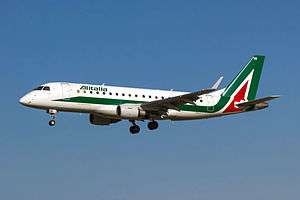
[{"x": 24, "y": 100}]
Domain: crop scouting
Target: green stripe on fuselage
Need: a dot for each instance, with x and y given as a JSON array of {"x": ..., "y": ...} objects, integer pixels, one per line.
[{"x": 186, "y": 107}]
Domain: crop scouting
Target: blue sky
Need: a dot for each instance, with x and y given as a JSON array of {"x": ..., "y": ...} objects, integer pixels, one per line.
[{"x": 185, "y": 45}]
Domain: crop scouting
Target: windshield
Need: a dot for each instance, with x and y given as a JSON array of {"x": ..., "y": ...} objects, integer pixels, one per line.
[
  {"x": 38, "y": 88},
  {"x": 47, "y": 88}
]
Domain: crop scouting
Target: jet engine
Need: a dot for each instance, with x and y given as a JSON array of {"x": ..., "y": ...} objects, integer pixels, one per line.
[
  {"x": 101, "y": 120},
  {"x": 130, "y": 111}
]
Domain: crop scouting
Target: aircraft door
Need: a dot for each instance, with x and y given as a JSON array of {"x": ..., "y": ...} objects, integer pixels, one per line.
[
  {"x": 67, "y": 90},
  {"x": 210, "y": 102}
]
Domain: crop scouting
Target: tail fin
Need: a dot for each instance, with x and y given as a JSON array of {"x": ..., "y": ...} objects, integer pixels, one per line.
[{"x": 244, "y": 85}]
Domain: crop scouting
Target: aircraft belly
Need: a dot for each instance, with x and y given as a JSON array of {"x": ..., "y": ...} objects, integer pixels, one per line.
[
  {"x": 77, "y": 107},
  {"x": 187, "y": 115}
]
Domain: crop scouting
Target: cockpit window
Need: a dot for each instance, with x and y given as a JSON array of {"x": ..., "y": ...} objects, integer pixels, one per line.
[
  {"x": 38, "y": 88},
  {"x": 46, "y": 88}
]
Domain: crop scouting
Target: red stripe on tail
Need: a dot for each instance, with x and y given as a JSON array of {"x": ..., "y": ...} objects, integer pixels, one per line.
[{"x": 239, "y": 97}]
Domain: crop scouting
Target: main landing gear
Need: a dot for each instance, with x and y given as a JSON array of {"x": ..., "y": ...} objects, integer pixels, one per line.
[
  {"x": 134, "y": 129},
  {"x": 52, "y": 113},
  {"x": 152, "y": 125}
]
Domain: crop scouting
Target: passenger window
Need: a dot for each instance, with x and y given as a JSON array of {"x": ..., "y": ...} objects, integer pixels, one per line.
[
  {"x": 136, "y": 95},
  {"x": 123, "y": 94},
  {"x": 143, "y": 96},
  {"x": 97, "y": 92},
  {"x": 110, "y": 93},
  {"x": 156, "y": 97},
  {"x": 91, "y": 92},
  {"x": 117, "y": 94},
  {"x": 150, "y": 96},
  {"x": 129, "y": 95},
  {"x": 103, "y": 93},
  {"x": 162, "y": 97}
]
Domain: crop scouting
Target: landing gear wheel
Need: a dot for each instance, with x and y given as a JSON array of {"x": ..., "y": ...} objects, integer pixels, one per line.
[
  {"x": 152, "y": 125},
  {"x": 134, "y": 129},
  {"x": 52, "y": 122},
  {"x": 52, "y": 113}
]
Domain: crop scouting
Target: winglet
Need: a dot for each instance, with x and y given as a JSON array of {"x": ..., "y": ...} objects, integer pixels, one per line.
[{"x": 217, "y": 83}]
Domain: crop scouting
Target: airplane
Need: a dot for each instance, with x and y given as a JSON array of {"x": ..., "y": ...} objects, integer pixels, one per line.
[{"x": 110, "y": 104}]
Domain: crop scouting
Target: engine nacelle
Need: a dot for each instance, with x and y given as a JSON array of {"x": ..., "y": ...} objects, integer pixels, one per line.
[
  {"x": 100, "y": 120},
  {"x": 130, "y": 111},
  {"x": 107, "y": 110}
]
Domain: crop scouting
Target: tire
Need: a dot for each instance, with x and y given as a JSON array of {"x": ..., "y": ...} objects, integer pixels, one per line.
[
  {"x": 52, "y": 122},
  {"x": 134, "y": 129},
  {"x": 152, "y": 125}
]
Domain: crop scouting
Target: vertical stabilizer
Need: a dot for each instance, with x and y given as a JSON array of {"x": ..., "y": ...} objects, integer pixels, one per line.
[{"x": 245, "y": 84}]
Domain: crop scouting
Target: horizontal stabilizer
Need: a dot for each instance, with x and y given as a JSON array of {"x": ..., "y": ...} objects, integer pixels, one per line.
[{"x": 257, "y": 103}]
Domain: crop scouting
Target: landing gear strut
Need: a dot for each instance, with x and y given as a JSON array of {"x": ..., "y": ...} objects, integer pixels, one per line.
[
  {"x": 152, "y": 125},
  {"x": 52, "y": 113},
  {"x": 134, "y": 129}
]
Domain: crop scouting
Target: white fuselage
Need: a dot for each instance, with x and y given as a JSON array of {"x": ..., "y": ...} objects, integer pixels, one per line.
[
  {"x": 103, "y": 99},
  {"x": 110, "y": 104}
]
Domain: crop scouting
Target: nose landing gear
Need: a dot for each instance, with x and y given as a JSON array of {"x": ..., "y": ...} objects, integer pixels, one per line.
[
  {"x": 52, "y": 113},
  {"x": 52, "y": 122}
]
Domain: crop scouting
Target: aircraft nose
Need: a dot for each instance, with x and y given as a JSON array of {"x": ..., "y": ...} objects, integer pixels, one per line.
[{"x": 24, "y": 100}]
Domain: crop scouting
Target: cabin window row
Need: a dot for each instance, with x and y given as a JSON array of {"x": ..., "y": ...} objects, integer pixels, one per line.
[{"x": 121, "y": 94}]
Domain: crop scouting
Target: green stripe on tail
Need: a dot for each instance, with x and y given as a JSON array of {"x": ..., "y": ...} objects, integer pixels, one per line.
[{"x": 255, "y": 65}]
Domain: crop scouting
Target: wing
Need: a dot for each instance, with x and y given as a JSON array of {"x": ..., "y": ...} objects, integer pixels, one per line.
[
  {"x": 257, "y": 103},
  {"x": 174, "y": 102}
]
